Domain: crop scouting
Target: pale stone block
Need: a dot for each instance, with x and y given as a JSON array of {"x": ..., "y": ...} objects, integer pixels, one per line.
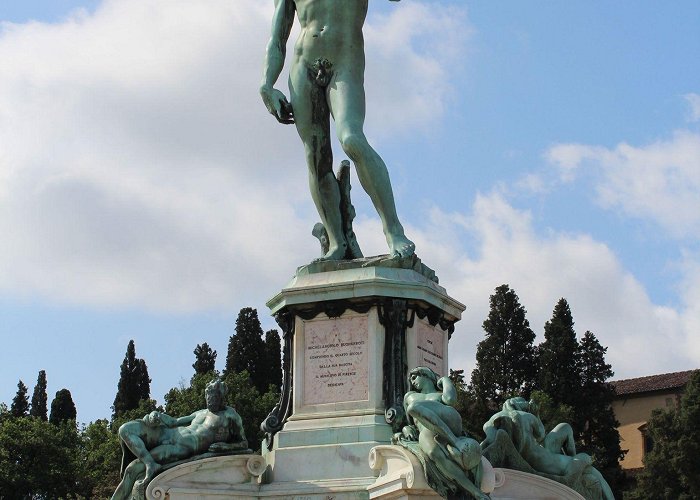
[
  {"x": 517, "y": 485},
  {"x": 234, "y": 477},
  {"x": 361, "y": 282},
  {"x": 338, "y": 366},
  {"x": 336, "y": 362},
  {"x": 401, "y": 476},
  {"x": 427, "y": 346}
]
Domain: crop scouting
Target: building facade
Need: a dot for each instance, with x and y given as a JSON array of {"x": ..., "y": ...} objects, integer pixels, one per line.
[{"x": 635, "y": 400}]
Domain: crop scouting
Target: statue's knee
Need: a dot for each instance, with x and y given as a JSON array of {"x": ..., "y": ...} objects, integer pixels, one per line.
[
  {"x": 135, "y": 468},
  {"x": 353, "y": 143},
  {"x": 124, "y": 431},
  {"x": 412, "y": 410}
]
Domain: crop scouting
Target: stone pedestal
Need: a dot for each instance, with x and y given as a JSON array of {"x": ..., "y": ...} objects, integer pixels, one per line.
[
  {"x": 350, "y": 336},
  {"x": 401, "y": 477},
  {"x": 233, "y": 477}
]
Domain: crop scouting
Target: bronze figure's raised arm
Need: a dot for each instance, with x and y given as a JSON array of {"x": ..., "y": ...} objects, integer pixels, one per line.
[{"x": 327, "y": 79}]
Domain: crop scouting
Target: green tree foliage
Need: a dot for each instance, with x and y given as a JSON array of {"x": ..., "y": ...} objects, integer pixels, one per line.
[
  {"x": 134, "y": 383},
  {"x": 273, "y": 352},
  {"x": 250, "y": 404},
  {"x": 145, "y": 406},
  {"x": 549, "y": 412},
  {"x": 37, "y": 459},
  {"x": 558, "y": 356},
  {"x": 100, "y": 460},
  {"x": 246, "y": 349},
  {"x": 205, "y": 359},
  {"x": 185, "y": 400},
  {"x": 466, "y": 404},
  {"x": 20, "y": 403},
  {"x": 62, "y": 408},
  {"x": 599, "y": 436},
  {"x": 40, "y": 398},
  {"x": 671, "y": 469},
  {"x": 505, "y": 359}
]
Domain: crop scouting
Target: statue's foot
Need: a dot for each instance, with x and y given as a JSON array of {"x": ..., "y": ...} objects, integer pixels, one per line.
[
  {"x": 334, "y": 253},
  {"x": 400, "y": 246},
  {"x": 151, "y": 471}
]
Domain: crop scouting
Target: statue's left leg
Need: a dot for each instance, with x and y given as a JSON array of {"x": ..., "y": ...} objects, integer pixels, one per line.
[
  {"x": 604, "y": 486},
  {"x": 561, "y": 440},
  {"x": 429, "y": 414},
  {"x": 346, "y": 98},
  {"x": 448, "y": 466}
]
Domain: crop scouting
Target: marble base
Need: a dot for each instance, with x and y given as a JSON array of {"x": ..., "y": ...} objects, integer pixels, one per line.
[
  {"x": 350, "y": 334},
  {"x": 401, "y": 477},
  {"x": 233, "y": 477}
]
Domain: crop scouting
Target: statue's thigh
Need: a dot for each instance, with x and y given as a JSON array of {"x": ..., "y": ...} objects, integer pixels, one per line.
[
  {"x": 346, "y": 98},
  {"x": 167, "y": 453},
  {"x": 311, "y": 114}
]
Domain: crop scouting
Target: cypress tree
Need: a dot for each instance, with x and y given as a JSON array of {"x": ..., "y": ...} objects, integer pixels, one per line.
[
  {"x": 62, "y": 407},
  {"x": 273, "y": 351},
  {"x": 505, "y": 359},
  {"x": 40, "y": 398},
  {"x": 599, "y": 436},
  {"x": 134, "y": 383},
  {"x": 20, "y": 403},
  {"x": 558, "y": 357},
  {"x": 246, "y": 349},
  {"x": 205, "y": 359},
  {"x": 144, "y": 381}
]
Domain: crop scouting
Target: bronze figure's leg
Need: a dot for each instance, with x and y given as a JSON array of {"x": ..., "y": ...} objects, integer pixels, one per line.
[
  {"x": 312, "y": 119},
  {"x": 346, "y": 98}
]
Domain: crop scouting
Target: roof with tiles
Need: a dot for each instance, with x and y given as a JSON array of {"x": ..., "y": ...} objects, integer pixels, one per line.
[{"x": 651, "y": 383}]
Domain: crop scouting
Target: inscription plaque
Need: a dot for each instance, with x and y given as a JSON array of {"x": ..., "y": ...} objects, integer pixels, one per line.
[
  {"x": 430, "y": 346},
  {"x": 336, "y": 363}
]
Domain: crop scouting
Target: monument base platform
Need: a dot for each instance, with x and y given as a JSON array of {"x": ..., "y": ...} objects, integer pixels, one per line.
[
  {"x": 401, "y": 477},
  {"x": 351, "y": 330}
]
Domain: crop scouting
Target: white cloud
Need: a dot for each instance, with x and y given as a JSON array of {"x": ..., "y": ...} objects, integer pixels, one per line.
[
  {"x": 138, "y": 166},
  {"x": 658, "y": 181},
  {"x": 605, "y": 298},
  {"x": 416, "y": 50}
]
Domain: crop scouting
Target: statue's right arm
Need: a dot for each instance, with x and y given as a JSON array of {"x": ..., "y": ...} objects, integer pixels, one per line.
[
  {"x": 449, "y": 391},
  {"x": 282, "y": 22},
  {"x": 180, "y": 421},
  {"x": 158, "y": 418}
]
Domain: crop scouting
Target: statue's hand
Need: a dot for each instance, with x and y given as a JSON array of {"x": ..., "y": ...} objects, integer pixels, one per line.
[
  {"x": 410, "y": 433},
  {"x": 222, "y": 447},
  {"x": 219, "y": 447},
  {"x": 277, "y": 104}
]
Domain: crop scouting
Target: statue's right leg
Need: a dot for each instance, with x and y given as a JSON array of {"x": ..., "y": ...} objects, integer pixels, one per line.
[
  {"x": 132, "y": 435},
  {"x": 312, "y": 118},
  {"x": 561, "y": 440},
  {"x": 131, "y": 474}
]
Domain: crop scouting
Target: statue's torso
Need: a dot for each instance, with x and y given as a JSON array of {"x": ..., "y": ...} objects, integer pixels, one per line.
[
  {"x": 331, "y": 29},
  {"x": 206, "y": 428}
]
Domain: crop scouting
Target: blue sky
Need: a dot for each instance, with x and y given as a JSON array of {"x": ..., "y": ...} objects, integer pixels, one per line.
[{"x": 146, "y": 195}]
